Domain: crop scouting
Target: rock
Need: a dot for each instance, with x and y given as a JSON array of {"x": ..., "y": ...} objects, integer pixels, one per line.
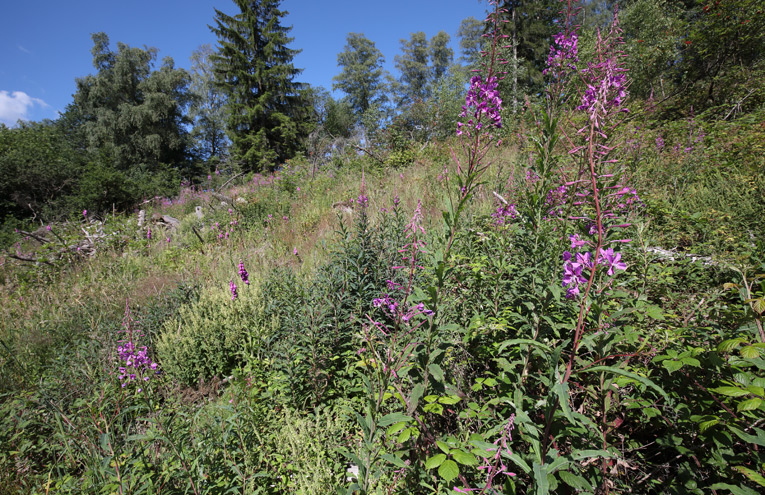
[
  {"x": 141, "y": 218},
  {"x": 198, "y": 211}
]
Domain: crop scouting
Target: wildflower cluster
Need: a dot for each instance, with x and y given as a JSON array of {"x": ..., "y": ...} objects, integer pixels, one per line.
[
  {"x": 564, "y": 53},
  {"x": 390, "y": 304},
  {"x": 504, "y": 213},
  {"x": 577, "y": 264},
  {"x": 482, "y": 99},
  {"x": 243, "y": 273},
  {"x": 135, "y": 363},
  {"x": 233, "y": 289},
  {"x": 606, "y": 80},
  {"x": 555, "y": 202},
  {"x": 399, "y": 326}
]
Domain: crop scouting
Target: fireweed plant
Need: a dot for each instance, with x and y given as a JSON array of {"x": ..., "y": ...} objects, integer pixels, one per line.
[{"x": 574, "y": 191}]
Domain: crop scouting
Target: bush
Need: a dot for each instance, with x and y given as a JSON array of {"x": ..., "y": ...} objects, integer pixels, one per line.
[{"x": 211, "y": 336}]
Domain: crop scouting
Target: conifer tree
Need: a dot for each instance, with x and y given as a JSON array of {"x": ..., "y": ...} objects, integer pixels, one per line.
[
  {"x": 254, "y": 69},
  {"x": 441, "y": 56},
  {"x": 530, "y": 28}
]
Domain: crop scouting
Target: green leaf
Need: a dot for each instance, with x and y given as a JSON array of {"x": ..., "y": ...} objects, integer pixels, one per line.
[
  {"x": 436, "y": 372},
  {"x": 750, "y": 352},
  {"x": 391, "y": 418},
  {"x": 705, "y": 425},
  {"x": 540, "y": 478},
  {"x": 465, "y": 458},
  {"x": 414, "y": 399},
  {"x": 448, "y": 470},
  {"x": 749, "y": 405},
  {"x": 735, "y": 490},
  {"x": 758, "y": 305},
  {"x": 434, "y": 408},
  {"x": 758, "y": 440},
  {"x": 443, "y": 446},
  {"x": 654, "y": 312},
  {"x": 530, "y": 342},
  {"x": 397, "y": 427},
  {"x": 752, "y": 475},
  {"x": 691, "y": 361},
  {"x": 395, "y": 460},
  {"x": 756, "y": 390},
  {"x": 730, "y": 344},
  {"x": 575, "y": 481},
  {"x": 671, "y": 365},
  {"x": 404, "y": 436},
  {"x": 435, "y": 461},
  {"x": 561, "y": 390},
  {"x": 629, "y": 374},
  {"x": 730, "y": 391},
  {"x": 449, "y": 400}
]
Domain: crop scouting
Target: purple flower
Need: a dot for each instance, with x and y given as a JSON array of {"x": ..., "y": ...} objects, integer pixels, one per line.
[
  {"x": 232, "y": 287},
  {"x": 565, "y": 54},
  {"x": 484, "y": 98},
  {"x": 572, "y": 274},
  {"x": 84, "y": 213},
  {"x": 243, "y": 273},
  {"x": 148, "y": 234},
  {"x": 612, "y": 259},
  {"x": 134, "y": 361}
]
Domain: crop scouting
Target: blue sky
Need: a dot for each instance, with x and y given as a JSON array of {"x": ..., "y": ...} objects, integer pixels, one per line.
[{"x": 45, "y": 45}]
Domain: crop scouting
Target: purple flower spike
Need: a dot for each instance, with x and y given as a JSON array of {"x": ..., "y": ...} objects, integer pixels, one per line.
[{"x": 243, "y": 273}]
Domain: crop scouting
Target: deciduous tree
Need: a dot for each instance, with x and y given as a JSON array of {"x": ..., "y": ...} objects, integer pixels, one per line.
[
  {"x": 207, "y": 110},
  {"x": 362, "y": 76},
  {"x": 132, "y": 114}
]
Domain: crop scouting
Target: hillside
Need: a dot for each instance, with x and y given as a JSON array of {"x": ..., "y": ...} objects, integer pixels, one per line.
[{"x": 560, "y": 296}]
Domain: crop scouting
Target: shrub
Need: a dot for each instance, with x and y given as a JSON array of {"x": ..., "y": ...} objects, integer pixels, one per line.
[{"x": 211, "y": 336}]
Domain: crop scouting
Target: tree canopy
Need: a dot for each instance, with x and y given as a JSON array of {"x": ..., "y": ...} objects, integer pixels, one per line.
[
  {"x": 130, "y": 112},
  {"x": 362, "y": 75}
]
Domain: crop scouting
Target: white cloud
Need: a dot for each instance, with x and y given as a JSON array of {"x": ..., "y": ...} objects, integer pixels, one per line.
[
  {"x": 24, "y": 49},
  {"x": 15, "y": 106}
]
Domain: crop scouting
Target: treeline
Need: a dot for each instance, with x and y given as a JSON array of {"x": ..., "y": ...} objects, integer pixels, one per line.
[{"x": 137, "y": 127}]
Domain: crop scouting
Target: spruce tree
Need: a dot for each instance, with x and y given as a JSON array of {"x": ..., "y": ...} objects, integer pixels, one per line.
[
  {"x": 530, "y": 28},
  {"x": 254, "y": 69}
]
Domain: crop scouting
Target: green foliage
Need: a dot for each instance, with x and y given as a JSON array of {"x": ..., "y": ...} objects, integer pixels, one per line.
[
  {"x": 413, "y": 65},
  {"x": 254, "y": 70},
  {"x": 38, "y": 170},
  {"x": 207, "y": 108},
  {"x": 131, "y": 113},
  {"x": 210, "y": 336},
  {"x": 362, "y": 75}
]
